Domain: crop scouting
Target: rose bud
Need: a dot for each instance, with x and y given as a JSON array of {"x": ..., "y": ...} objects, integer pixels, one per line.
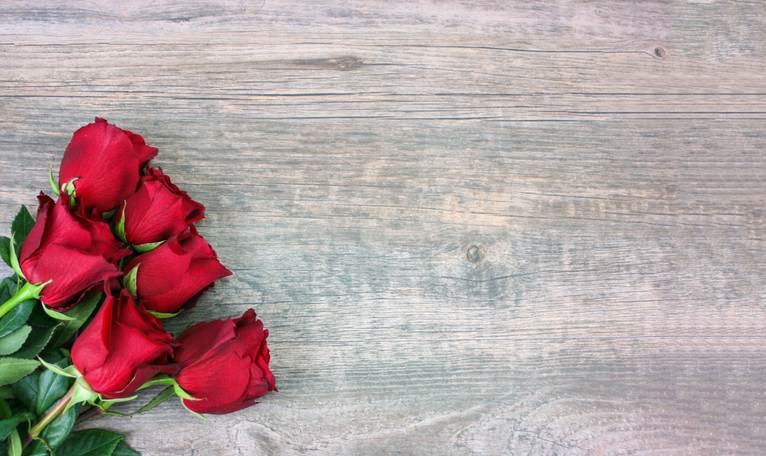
[
  {"x": 102, "y": 164},
  {"x": 73, "y": 253},
  {"x": 224, "y": 364},
  {"x": 122, "y": 348},
  {"x": 158, "y": 210},
  {"x": 175, "y": 273}
]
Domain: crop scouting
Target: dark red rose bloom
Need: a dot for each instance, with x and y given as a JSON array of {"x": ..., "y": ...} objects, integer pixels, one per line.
[
  {"x": 158, "y": 210},
  {"x": 224, "y": 364},
  {"x": 105, "y": 161},
  {"x": 122, "y": 348},
  {"x": 74, "y": 253},
  {"x": 176, "y": 272}
]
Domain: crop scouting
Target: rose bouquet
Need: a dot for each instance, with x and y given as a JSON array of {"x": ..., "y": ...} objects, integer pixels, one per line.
[{"x": 96, "y": 272}]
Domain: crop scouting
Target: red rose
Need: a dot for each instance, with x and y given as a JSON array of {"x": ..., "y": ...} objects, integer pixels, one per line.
[
  {"x": 74, "y": 253},
  {"x": 176, "y": 272},
  {"x": 158, "y": 210},
  {"x": 122, "y": 348},
  {"x": 103, "y": 163},
  {"x": 224, "y": 364}
]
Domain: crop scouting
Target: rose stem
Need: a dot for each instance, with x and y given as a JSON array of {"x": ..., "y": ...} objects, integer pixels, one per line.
[
  {"x": 54, "y": 412},
  {"x": 28, "y": 291}
]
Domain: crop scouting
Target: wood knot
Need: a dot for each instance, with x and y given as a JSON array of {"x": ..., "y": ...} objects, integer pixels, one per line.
[
  {"x": 660, "y": 52},
  {"x": 346, "y": 63},
  {"x": 474, "y": 254}
]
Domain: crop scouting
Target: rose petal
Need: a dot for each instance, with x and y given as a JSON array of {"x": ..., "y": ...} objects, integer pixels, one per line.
[
  {"x": 70, "y": 270},
  {"x": 203, "y": 338}
]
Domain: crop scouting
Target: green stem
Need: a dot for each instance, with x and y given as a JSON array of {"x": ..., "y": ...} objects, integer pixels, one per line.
[
  {"x": 28, "y": 291},
  {"x": 52, "y": 414}
]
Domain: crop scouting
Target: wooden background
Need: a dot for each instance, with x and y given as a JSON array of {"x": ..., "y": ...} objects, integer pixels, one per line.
[{"x": 473, "y": 228}]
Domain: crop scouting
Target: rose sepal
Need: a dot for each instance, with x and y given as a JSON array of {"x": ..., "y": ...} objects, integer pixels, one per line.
[
  {"x": 177, "y": 390},
  {"x": 15, "y": 259},
  {"x": 69, "y": 371},
  {"x": 108, "y": 214},
  {"x": 148, "y": 247},
  {"x": 55, "y": 314},
  {"x": 119, "y": 227},
  {"x": 82, "y": 392},
  {"x": 164, "y": 315},
  {"x": 52, "y": 181},
  {"x": 129, "y": 280},
  {"x": 24, "y": 293},
  {"x": 163, "y": 379},
  {"x": 71, "y": 191},
  {"x": 198, "y": 415}
]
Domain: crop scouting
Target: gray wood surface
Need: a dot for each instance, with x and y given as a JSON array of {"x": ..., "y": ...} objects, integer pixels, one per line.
[{"x": 473, "y": 228}]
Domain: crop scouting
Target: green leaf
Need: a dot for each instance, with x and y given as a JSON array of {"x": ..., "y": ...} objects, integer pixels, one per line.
[
  {"x": 50, "y": 387},
  {"x": 80, "y": 315},
  {"x": 36, "y": 448},
  {"x": 14, "y": 369},
  {"x": 14, "y": 441},
  {"x": 148, "y": 247},
  {"x": 7, "y": 288},
  {"x": 124, "y": 450},
  {"x": 90, "y": 442},
  {"x": 9, "y": 424},
  {"x": 6, "y": 392},
  {"x": 129, "y": 280},
  {"x": 37, "y": 341},
  {"x": 56, "y": 433},
  {"x": 56, "y": 315},
  {"x": 40, "y": 318},
  {"x": 5, "y": 249},
  {"x": 16, "y": 318},
  {"x": 21, "y": 226},
  {"x": 25, "y": 389},
  {"x": 13, "y": 341}
]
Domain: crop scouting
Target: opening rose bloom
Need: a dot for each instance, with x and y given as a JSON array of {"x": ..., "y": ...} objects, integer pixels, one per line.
[
  {"x": 74, "y": 253},
  {"x": 224, "y": 364},
  {"x": 122, "y": 348},
  {"x": 103, "y": 162},
  {"x": 158, "y": 210},
  {"x": 176, "y": 272}
]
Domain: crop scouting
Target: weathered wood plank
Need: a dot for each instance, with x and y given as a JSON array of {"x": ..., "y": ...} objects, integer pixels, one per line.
[{"x": 472, "y": 228}]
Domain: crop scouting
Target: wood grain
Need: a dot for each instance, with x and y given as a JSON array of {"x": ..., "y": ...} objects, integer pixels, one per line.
[{"x": 473, "y": 228}]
